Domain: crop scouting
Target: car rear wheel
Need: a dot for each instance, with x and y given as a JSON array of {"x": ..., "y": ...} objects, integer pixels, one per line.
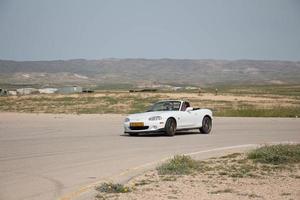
[
  {"x": 170, "y": 127},
  {"x": 206, "y": 125}
]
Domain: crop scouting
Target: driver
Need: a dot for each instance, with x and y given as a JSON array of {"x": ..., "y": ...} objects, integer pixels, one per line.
[{"x": 185, "y": 105}]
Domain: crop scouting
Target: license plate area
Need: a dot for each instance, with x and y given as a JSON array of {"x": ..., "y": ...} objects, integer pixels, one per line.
[{"x": 136, "y": 124}]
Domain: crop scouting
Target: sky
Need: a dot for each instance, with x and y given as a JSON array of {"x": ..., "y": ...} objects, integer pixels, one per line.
[{"x": 153, "y": 29}]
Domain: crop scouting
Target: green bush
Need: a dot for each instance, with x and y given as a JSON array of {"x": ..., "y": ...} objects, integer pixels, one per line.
[
  {"x": 276, "y": 154},
  {"x": 112, "y": 188},
  {"x": 179, "y": 165}
]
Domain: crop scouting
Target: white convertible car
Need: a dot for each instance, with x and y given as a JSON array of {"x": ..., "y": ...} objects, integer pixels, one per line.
[{"x": 169, "y": 116}]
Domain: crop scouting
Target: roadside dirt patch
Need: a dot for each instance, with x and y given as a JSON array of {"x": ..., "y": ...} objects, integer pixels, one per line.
[
  {"x": 282, "y": 186},
  {"x": 227, "y": 178}
]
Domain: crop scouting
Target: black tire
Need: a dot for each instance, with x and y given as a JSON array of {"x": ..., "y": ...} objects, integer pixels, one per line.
[
  {"x": 170, "y": 127},
  {"x": 133, "y": 134},
  {"x": 206, "y": 125}
]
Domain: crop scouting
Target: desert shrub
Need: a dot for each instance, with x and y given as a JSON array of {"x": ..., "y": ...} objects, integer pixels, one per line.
[
  {"x": 276, "y": 154},
  {"x": 178, "y": 165},
  {"x": 112, "y": 188}
]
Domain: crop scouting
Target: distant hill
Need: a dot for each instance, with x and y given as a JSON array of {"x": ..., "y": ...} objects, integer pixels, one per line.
[{"x": 142, "y": 71}]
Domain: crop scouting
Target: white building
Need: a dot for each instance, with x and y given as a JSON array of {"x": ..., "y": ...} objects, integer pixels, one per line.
[
  {"x": 12, "y": 92},
  {"x": 47, "y": 90},
  {"x": 26, "y": 91},
  {"x": 70, "y": 90}
]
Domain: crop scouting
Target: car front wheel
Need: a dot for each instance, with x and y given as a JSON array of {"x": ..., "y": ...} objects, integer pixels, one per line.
[
  {"x": 170, "y": 127},
  {"x": 206, "y": 125}
]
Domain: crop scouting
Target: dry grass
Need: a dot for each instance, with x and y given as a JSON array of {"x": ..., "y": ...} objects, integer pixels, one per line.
[
  {"x": 276, "y": 154},
  {"x": 224, "y": 104}
]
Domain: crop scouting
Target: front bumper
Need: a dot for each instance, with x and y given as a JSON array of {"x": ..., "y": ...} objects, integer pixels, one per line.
[
  {"x": 148, "y": 131},
  {"x": 149, "y": 127}
]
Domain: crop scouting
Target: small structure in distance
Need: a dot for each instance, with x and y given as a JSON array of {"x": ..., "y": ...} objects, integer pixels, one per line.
[
  {"x": 69, "y": 90},
  {"x": 26, "y": 91},
  {"x": 47, "y": 90}
]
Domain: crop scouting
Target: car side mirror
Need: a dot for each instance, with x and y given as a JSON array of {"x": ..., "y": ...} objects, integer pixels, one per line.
[{"x": 188, "y": 109}]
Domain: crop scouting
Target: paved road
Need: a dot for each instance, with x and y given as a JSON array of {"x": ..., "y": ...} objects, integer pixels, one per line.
[{"x": 46, "y": 156}]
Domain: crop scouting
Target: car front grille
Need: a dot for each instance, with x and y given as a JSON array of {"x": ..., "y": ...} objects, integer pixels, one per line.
[{"x": 138, "y": 127}]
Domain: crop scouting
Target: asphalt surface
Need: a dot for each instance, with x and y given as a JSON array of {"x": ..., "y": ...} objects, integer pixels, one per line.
[{"x": 45, "y": 156}]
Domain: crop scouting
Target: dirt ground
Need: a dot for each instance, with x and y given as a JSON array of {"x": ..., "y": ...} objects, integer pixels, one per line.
[
  {"x": 262, "y": 183},
  {"x": 281, "y": 186}
]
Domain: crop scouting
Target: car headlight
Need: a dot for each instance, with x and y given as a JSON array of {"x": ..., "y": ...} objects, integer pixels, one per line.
[
  {"x": 155, "y": 118},
  {"x": 126, "y": 120}
]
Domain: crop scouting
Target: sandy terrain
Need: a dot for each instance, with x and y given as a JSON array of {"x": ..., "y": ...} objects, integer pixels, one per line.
[{"x": 278, "y": 184}]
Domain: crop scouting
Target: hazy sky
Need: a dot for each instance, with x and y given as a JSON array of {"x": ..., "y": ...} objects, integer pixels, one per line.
[{"x": 95, "y": 29}]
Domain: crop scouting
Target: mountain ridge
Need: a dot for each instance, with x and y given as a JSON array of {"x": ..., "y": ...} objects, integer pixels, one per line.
[{"x": 138, "y": 71}]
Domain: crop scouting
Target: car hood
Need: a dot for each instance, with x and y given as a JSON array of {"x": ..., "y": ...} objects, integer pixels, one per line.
[{"x": 146, "y": 115}]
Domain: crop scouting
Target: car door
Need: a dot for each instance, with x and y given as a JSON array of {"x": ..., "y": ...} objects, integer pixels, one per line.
[{"x": 186, "y": 118}]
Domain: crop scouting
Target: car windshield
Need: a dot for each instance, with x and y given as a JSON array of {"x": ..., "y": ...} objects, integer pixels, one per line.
[{"x": 165, "y": 106}]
